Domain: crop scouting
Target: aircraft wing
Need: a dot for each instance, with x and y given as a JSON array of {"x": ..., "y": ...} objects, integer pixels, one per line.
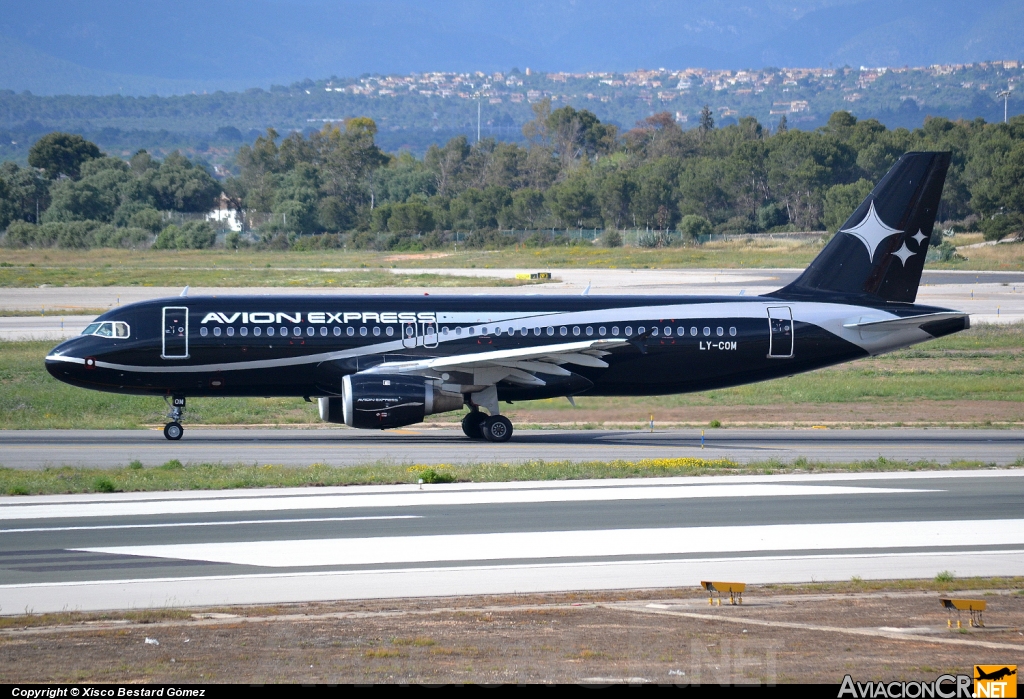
[{"x": 516, "y": 365}]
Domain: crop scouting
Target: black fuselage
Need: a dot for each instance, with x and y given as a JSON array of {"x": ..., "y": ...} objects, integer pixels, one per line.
[{"x": 303, "y": 345}]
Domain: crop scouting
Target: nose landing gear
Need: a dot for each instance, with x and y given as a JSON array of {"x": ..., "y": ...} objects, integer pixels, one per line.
[{"x": 173, "y": 429}]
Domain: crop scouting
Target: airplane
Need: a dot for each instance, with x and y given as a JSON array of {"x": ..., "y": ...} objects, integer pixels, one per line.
[{"x": 381, "y": 362}]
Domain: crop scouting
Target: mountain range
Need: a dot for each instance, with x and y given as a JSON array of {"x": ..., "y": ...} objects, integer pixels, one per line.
[{"x": 137, "y": 47}]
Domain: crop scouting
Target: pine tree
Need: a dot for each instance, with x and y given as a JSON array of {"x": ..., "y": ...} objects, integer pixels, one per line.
[{"x": 707, "y": 121}]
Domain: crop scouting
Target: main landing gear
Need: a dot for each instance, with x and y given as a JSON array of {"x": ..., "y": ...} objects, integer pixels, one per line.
[
  {"x": 493, "y": 428},
  {"x": 173, "y": 429}
]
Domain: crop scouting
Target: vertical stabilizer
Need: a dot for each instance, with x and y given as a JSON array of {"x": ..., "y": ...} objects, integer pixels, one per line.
[{"x": 878, "y": 254}]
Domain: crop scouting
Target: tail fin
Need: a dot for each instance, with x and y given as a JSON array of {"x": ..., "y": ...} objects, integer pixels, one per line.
[{"x": 878, "y": 254}]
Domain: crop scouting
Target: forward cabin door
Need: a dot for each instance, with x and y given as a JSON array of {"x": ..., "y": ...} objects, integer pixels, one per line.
[
  {"x": 780, "y": 329},
  {"x": 175, "y": 340}
]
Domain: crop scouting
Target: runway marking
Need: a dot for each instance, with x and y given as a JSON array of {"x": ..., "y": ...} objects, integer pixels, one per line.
[
  {"x": 204, "y": 524},
  {"x": 431, "y": 498},
  {"x": 587, "y": 543}
]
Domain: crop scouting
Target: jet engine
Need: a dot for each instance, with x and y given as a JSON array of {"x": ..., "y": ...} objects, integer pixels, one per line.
[{"x": 380, "y": 401}]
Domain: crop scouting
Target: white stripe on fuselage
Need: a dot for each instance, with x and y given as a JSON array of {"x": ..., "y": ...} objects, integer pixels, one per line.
[{"x": 828, "y": 316}]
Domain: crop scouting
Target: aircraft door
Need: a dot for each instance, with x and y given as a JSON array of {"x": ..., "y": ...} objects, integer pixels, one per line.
[
  {"x": 175, "y": 339},
  {"x": 430, "y": 334},
  {"x": 781, "y": 335},
  {"x": 409, "y": 334}
]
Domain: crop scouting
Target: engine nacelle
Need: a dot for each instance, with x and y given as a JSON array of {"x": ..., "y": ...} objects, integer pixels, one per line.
[{"x": 380, "y": 401}]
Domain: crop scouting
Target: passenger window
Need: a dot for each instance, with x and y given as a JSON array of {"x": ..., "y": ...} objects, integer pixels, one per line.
[
  {"x": 732, "y": 332},
  {"x": 444, "y": 330},
  {"x": 576, "y": 330},
  {"x": 629, "y": 330},
  {"x": 362, "y": 331},
  {"x": 458, "y": 331},
  {"x": 284, "y": 331},
  {"x": 256, "y": 331},
  {"x": 390, "y": 331},
  {"x": 590, "y": 331},
  {"x": 524, "y": 331},
  {"x": 376, "y": 331},
  {"x": 640, "y": 330},
  {"x": 243, "y": 331},
  {"x": 323, "y": 331},
  {"x": 563, "y": 331},
  {"x": 720, "y": 331},
  {"x": 601, "y": 331},
  {"x": 615, "y": 331},
  {"x": 270, "y": 332},
  {"x": 350, "y": 331},
  {"x": 693, "y": 332},
  {"x": 296, "y": 331},
  {"x": 230, "y": 331},
  {"x": 551, "y": 331},
  {"x": 216, "y": 331},
  {"x": 680, "y": 330},
  {"x": 536, "y": 331},
  {"x": 310, "y": 330},
  {"x": 204, "y": 332},
  {"x": 707, "y": 332},
  {"x": 654, "y": 331},
  {"x": 471, "y": 331},
  {"x": 337, "y": 331}
]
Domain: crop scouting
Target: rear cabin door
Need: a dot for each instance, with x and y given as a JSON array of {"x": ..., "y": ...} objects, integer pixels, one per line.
[
  {"x": 780, "y": 329},
  {"x": 175, "y": 325}
]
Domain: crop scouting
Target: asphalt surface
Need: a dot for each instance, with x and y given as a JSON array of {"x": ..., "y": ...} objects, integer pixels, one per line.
[
  {"x": 339, "y": 446},
  {"x": 136, "y": 550}
]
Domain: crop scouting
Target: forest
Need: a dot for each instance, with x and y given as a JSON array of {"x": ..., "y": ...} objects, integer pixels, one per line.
[{"x": 336, "y": 187}]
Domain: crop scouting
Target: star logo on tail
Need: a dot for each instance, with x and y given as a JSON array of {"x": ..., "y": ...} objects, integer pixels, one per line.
[{"x": 871, "y": 231}]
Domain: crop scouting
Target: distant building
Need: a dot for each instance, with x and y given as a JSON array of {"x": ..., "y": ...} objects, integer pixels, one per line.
[{"x": 224, "y": 215}]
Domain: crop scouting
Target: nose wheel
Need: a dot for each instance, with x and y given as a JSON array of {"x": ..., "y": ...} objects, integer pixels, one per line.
[{"x": 173, "y": 429}]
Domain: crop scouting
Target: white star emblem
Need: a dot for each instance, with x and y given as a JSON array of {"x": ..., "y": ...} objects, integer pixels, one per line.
[
  {"x": 904, "y": 254},
  {"x": 871, "y": 231},
  {"x": 919, "y": 237}
]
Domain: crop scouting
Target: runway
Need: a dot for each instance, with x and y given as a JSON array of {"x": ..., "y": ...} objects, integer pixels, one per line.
[
  {"x": 131, "y": 550},
  {"x": 339, "y": 446}
]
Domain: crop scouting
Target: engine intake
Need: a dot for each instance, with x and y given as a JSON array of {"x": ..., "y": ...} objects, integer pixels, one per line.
[{"x": 381, "y": 401}]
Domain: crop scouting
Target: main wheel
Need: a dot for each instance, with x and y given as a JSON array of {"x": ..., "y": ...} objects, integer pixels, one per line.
[
  {"x": 471, "y": 425},
  {"x": 497, "y": 428},
  {"x": 173, "y": 431}
]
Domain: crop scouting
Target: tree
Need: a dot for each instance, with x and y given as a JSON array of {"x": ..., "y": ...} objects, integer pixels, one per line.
[
  {"x": 707, "y": 121},
  {"x": 572, "y": 202},
  {"x": 842, "y": 200},
  {"x": 62, "y": 154},
  {"x": 182, "y": 186}
]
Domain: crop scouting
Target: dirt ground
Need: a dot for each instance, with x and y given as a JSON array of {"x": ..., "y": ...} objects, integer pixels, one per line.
[{"x": 778, "y": 635}]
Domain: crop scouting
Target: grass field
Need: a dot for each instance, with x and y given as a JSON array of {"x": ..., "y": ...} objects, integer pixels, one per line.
[
  {"x": 973, "y": 378},
  {"x": 174, "y": 475},
  {"x": 109, "y": 267}
]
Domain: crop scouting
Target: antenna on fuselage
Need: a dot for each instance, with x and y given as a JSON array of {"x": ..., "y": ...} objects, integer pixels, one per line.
[
  {"x": 586, "y": 292},
  {"x": 184, "y": 292}
]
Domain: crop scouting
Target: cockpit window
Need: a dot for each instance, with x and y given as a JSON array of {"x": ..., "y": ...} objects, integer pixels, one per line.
[{"x": 114, "y": 328}]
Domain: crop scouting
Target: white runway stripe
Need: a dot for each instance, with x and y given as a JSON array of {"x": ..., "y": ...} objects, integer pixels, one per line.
[
  {"x": 176, "y": 525},
  {"x": 596, "y": 543},
  {"x": 428, "y": 498}
]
